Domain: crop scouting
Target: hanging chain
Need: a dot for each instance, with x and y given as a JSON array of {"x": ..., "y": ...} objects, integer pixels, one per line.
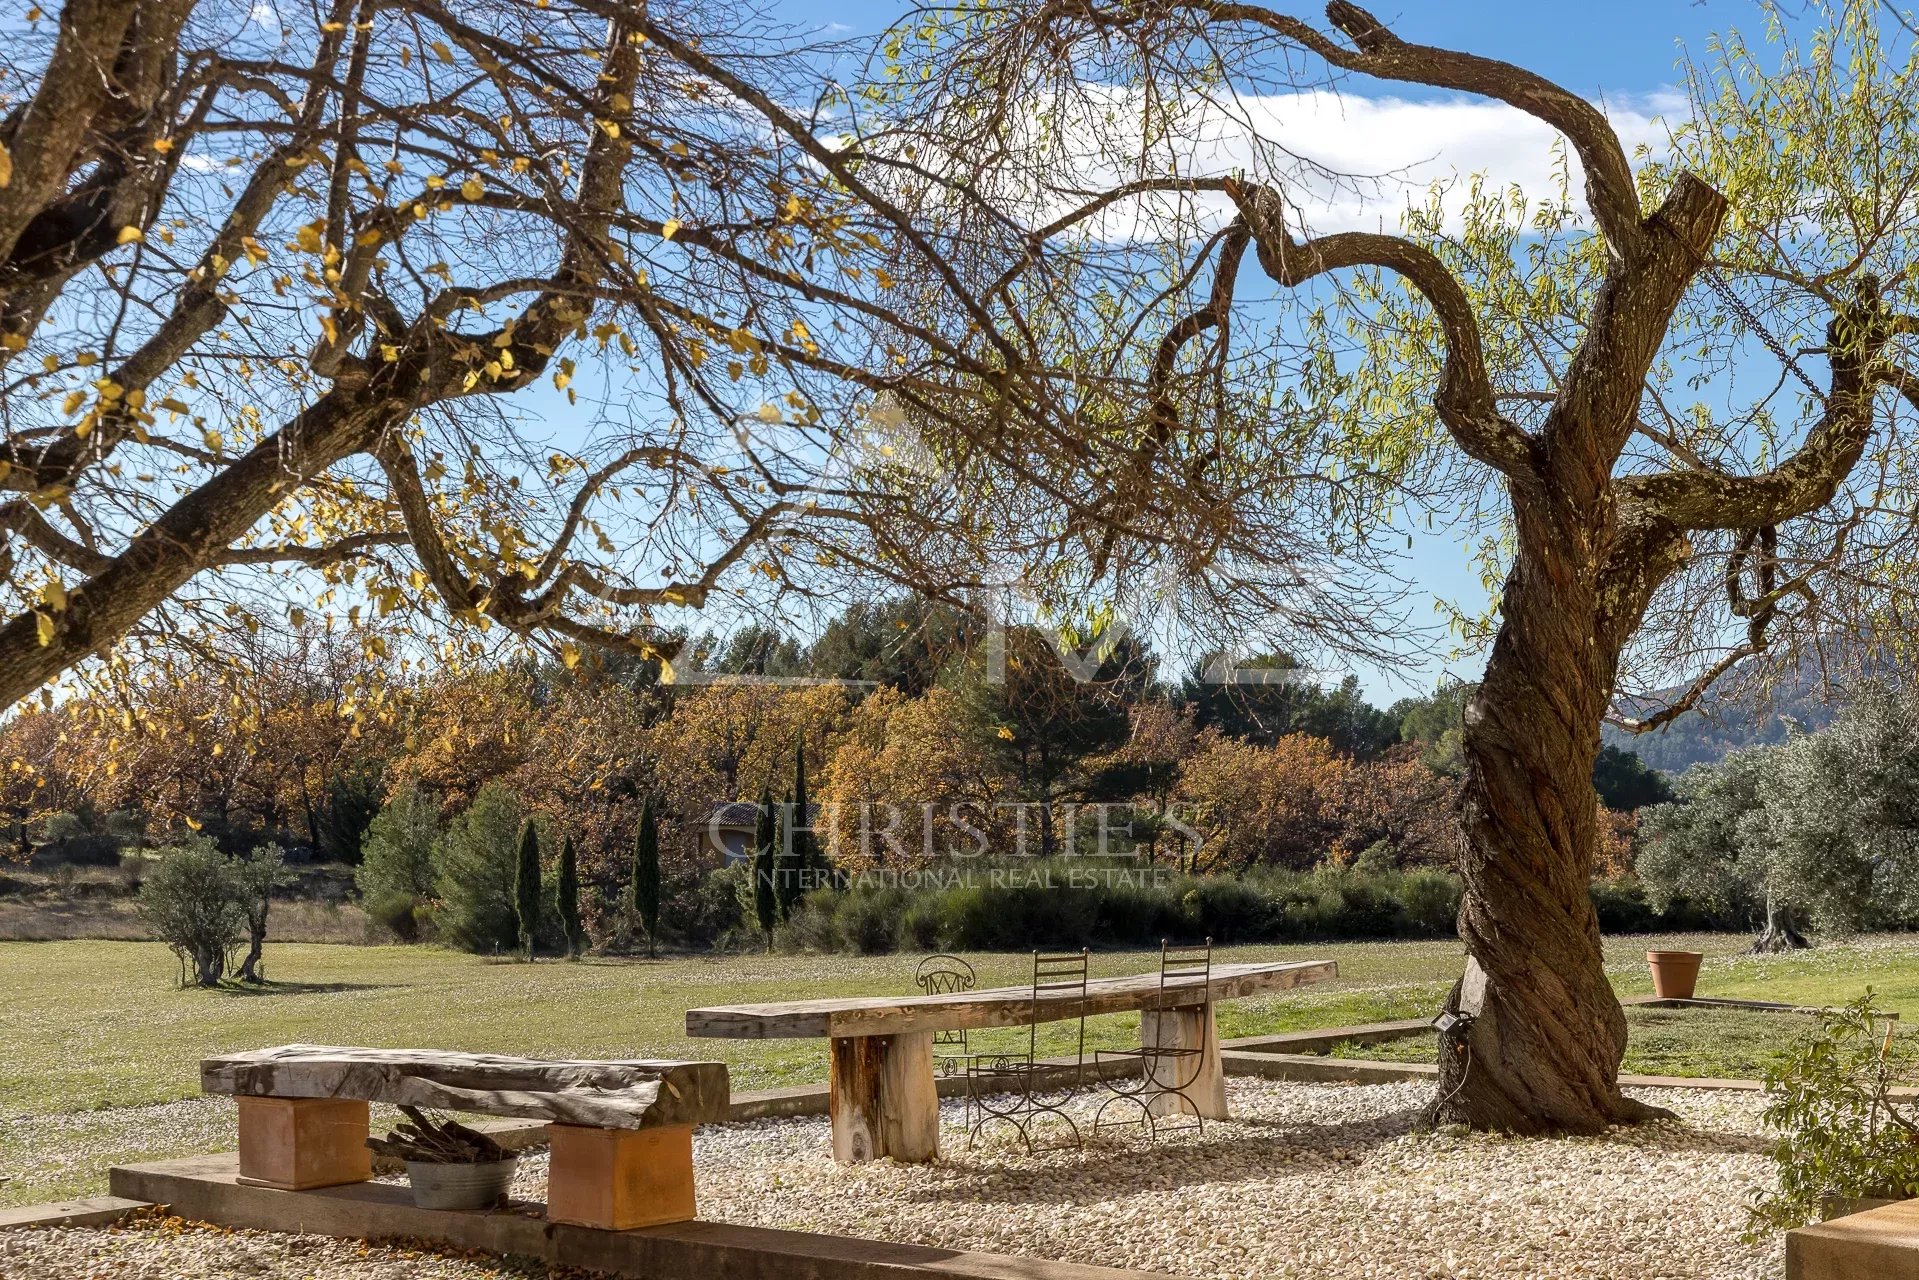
[{"x": 1717, "y": 283}]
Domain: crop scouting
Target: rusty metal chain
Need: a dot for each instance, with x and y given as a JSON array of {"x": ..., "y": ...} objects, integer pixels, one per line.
[{"x": 1717, "y": 283}]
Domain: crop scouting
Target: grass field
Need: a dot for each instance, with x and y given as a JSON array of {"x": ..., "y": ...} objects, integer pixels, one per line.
[
  {"x": 1730, "y": 1044},
  {"x": 88, "y": 1029}
]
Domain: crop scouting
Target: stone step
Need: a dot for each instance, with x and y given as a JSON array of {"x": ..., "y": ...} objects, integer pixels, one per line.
[{"x": 93, "y": 1211}]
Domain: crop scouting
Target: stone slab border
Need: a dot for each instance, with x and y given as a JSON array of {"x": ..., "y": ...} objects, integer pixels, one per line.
[
  {"x": 92, "y": 1211},
  {"x": 207, "y": 1189}
]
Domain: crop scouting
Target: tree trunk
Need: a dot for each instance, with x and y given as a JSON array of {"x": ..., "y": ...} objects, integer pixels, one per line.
[
  {"x": 1541, "y": 1049},
  {"x": 256, "y": 944},
  {"x": 1782, "y": 929},
  {"x": 209, "y": 966}
]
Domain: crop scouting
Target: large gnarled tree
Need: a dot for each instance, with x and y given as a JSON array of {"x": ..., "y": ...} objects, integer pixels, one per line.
[
  {"x": 1594, "y": 383},
  {"x": 544, "y": 317}
]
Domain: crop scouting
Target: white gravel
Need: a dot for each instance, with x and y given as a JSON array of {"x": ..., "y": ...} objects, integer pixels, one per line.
[{"x": 1327, "y": 1181}]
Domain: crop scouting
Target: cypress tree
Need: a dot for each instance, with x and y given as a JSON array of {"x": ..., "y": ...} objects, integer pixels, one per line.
[
  {"x": 646, "y": 876},
  {"x": 791, "y": 879},
  {"x": 804, "y": 850},
  {"x": 526, "y": 888},
  {"x": 765, "y": 868},
  {"x": 569, "y": 895}
]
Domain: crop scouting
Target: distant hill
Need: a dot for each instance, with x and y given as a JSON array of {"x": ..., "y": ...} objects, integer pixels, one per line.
[{"x": 1797, "y": 704}]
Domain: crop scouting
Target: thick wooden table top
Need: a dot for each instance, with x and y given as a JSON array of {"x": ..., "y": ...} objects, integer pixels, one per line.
[{"x": 993, "y": 1007}]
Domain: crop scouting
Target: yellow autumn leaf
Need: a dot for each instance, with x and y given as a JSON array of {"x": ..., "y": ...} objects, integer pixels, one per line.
[
  {"x": 55, "y": 595},
  {"x": 43, "y": 624},
  {"x": 6, "y": 167},
  {"x": 668, "y": 231},
  {"x": 473, "y": 188},
  {"x": 129, "y": 235},
  {"x": 1006, "y": 733},
  {"x": 570, "y": 655}
]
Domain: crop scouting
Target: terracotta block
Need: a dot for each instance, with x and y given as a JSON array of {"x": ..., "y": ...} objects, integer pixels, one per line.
[
  {"x": 619, "y": 1179},
  {"x": 295, "y": 1144}
]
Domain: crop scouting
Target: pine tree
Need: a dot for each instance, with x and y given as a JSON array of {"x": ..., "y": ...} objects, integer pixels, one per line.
[
  {"x": 645, "y": 890},
  {"x": 765, "y": 869},
  {"x": 569, "y": 900},
  {"x": 526, "y": 888}
]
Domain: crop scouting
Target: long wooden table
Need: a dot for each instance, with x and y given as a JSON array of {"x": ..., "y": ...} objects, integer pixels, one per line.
[{"x": 883, "y": 1098}]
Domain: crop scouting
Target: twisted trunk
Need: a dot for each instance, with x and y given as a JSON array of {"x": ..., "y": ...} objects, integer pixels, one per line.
[
  {"x": 1541, "y": 1049},
  {"x": 1545, "y": 1034}
]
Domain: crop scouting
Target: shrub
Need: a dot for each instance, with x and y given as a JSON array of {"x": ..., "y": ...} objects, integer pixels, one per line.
[
  {"x": 474, "y": 864},
  {"x": 193, "y": 901},
  {"x": 395, "y": 875},
  {"x": 87, "y": 838},
  {"x": 700, "y": 907},
  {"x": 1841, "y": 1134}
]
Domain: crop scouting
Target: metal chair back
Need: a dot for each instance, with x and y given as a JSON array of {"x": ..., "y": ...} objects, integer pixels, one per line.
[
  {"x": 1058, "y": 979},
  {"x": 1183, "y": 968},
  {"x": 944, "y": 975}
]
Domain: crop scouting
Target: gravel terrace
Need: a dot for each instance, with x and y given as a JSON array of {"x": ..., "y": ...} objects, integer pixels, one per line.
[{"x": 1327, "y": 1181}]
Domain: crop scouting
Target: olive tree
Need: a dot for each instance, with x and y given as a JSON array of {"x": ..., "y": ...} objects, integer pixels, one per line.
[
  {"x": 193, "y": 901},
  {"x": 1671, "y": 398},
  {"x": 1821, "y": 832}
]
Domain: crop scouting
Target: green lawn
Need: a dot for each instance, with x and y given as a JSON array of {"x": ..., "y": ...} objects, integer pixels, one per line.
[
  {"x": 90, "y": 1027},
  {"x": 1730, "y": 1044}
]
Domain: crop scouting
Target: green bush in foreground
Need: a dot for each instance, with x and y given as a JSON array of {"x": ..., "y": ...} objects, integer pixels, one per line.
[{"x": 1841, "y": 1135}]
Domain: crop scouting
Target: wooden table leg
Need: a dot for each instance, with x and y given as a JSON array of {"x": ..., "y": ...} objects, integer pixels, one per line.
[
  {"x": 883, "y": 1098},
  {"x": 1186, "y": 1029}
]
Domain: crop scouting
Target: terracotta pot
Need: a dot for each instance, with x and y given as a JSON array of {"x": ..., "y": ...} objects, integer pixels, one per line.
[{"x": 1674, "y": 973}]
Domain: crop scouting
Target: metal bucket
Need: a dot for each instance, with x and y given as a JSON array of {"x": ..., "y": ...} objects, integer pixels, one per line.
[{"x": 461, "y": 1186}]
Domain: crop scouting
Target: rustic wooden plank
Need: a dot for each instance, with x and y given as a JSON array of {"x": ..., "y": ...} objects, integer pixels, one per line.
[
  {"x": 993, "y": 1007},
  {"x": 634, "y": 1094}
]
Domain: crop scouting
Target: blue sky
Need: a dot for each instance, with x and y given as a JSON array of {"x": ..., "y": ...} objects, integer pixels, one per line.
[
  {"x": 1594, "y": 47},
  {"x": 1622, "y": 52}
]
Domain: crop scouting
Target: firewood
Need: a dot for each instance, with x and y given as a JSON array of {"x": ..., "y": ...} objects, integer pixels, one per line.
[{"x": 426, "y": 1141}]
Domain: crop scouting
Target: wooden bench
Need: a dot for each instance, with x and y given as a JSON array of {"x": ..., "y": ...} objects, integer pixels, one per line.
[{"x": 621, "y": 1132}]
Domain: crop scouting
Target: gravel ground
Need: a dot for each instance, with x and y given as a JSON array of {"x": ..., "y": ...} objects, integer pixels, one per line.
[{"x": 1327, "y": 1181}]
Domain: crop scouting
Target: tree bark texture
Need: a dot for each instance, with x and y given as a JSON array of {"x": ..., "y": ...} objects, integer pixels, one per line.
[{"x": 1542, "y": 1048}]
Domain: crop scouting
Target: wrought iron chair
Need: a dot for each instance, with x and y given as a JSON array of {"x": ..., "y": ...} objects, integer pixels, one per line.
[
  {"x": 939, "y": 976},
  {"x": 1147, "y": 1077},
  {"x": 1011, "y": 1087}
]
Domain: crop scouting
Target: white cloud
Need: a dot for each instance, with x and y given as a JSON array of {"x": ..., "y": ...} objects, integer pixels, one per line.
[
  {"x": 1365, "y": 158},
  {"x": 1404, "y": 146}
]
